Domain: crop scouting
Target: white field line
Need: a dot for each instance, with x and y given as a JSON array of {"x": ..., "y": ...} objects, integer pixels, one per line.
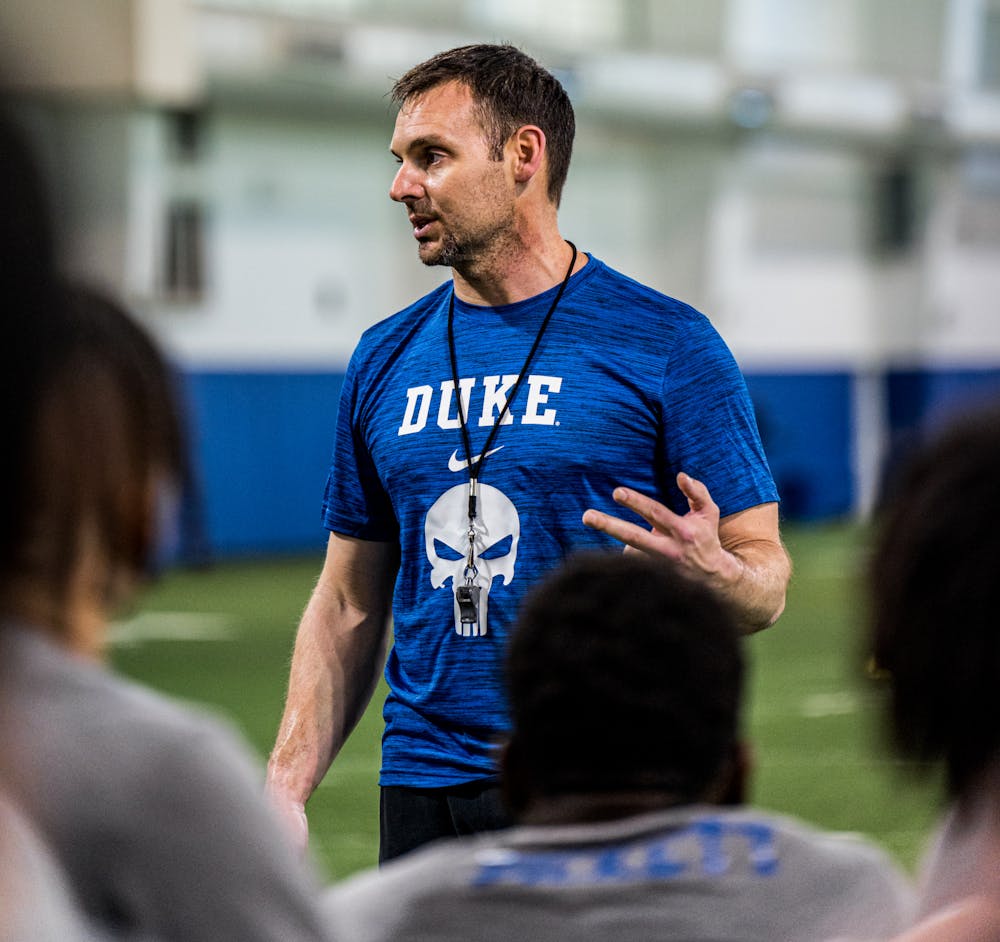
[
  {"x": 172, "y": 626},
  {"x": 817, "y": 705},
  {"x": 835, "y": 703}
]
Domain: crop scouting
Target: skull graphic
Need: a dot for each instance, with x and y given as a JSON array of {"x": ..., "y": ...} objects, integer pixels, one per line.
[{"x": 446, "y": 540}]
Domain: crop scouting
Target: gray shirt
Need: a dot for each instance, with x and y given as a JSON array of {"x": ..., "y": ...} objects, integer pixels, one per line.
[
  {"x": 693, "y": 873},
  {"x": 155, "y": 813},
  {"x": 36, "y": 904}
]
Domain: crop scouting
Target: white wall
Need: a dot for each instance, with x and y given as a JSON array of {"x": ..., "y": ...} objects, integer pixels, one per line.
[
  {"x": 302, "y": 244},
  {"x": 771, "y": 237},
  {"x": 769, "y": 232}
]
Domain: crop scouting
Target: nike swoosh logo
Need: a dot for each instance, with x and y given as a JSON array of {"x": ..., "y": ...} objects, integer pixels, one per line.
[{"x": 460, "y": 464}]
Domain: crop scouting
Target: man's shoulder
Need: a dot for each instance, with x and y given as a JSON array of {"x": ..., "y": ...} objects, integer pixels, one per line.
[
  {"x": 403, "y": 322},
  {"x": 442, "y": 863},
  {"x": 387, "y": 902},
  {"x": 609, "y": 288},
  {"x": 844, "y": 865},
  {"x": 99, "y": 723}
]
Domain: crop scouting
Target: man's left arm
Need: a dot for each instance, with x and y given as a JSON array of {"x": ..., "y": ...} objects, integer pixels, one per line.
[{"x": 740, "y": 555}]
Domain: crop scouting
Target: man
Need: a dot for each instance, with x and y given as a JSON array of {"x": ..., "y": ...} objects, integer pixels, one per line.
[
  {"x": 625, "y": 768},
  {"x": 490, "y": 429}
]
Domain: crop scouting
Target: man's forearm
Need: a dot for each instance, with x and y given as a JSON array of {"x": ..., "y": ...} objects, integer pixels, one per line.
[
  {"x": 338, "y": 653},
  {"x": 305, "y": 746},
  {"x": 339, "y": 650},
  {"x": 756, "y": 583}
]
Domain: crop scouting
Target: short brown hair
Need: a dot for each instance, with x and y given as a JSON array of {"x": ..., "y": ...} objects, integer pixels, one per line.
[{"x": 509, "y": 89}]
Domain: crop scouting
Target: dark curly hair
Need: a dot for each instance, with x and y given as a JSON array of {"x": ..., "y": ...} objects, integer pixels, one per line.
[
  {"x": 624, "y": 675},
  {"x": 934, "y": 600}
]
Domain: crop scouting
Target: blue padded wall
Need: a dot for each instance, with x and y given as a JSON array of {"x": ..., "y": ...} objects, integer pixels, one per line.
[
  {"x": 805, "y": 422},
  {"x": 261, "y": 444}
]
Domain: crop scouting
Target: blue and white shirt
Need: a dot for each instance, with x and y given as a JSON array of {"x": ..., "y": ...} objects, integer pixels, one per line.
[
  {"x": 692, "y": 872},
  {"x": 627, "y": 387}
]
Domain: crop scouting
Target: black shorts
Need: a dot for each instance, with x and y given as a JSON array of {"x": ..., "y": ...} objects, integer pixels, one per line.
[{"x": 411, "y": 817}]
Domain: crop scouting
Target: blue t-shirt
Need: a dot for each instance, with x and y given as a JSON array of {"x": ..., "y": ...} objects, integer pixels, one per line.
[{"x": 628, "y": 387}]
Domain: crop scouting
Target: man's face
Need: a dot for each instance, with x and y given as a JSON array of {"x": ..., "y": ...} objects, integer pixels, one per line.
[{"x": 459, "y": 201}]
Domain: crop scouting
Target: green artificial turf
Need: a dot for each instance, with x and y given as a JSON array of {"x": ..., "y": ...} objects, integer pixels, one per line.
[{"x": 222, "y": 637}]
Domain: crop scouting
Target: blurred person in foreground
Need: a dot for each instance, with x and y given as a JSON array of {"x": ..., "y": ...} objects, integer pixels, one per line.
[
  {"x": 538, "y": 403},
  {"x": 935, "y": 633},
  {"x": 36, "y": 903},
  {"x": 626, "y": 771},
  {"x": 155, "y": 813}
]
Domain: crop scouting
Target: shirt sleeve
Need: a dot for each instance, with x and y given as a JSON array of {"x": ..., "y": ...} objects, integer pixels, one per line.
[
  {"x": 709, "y": 426},
  {"x": 355, "y": 503}
]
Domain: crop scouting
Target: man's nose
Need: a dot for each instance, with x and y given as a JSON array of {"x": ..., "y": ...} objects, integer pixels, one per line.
[{"x": 405, "y": 184}]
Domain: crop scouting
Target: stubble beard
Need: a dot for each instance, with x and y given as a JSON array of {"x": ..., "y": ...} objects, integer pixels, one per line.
[
  {"x": 472, "y": 245},
  {"x": 451, "y": 253},
  {"x": 467, "y": 252}
]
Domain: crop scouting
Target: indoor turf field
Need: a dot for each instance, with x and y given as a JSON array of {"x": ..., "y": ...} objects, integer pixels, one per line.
[{"x": 222, "y": 636}]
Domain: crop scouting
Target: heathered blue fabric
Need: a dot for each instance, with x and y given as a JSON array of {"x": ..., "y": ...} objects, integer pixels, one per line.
[{"x": 628, "y": 387}]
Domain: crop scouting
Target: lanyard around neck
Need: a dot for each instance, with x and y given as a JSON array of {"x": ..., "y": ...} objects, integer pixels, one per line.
[{"x": 476, "y": 468}]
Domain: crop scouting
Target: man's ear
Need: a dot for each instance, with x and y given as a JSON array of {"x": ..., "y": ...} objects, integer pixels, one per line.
[{"x": 527, "y": 145}]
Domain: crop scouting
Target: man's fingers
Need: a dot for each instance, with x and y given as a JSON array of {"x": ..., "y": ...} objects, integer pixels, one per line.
[
  {"x": 614, "y": 526},
  {"x": 635, "y": 538},
  {"x": 696, "y": 493},
  {"x": 656, "y": 514}
]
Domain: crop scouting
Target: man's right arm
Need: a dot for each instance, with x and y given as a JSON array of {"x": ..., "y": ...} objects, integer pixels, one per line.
[{"x": 339, "y": 652}]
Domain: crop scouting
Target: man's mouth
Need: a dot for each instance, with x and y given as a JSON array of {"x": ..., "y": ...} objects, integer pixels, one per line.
[{"x": 421, "y": 225}]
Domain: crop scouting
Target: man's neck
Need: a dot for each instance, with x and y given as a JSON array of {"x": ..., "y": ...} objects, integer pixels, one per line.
[
  {"x": 515, "y": 274},
  {"x": 595, "y": 807}
]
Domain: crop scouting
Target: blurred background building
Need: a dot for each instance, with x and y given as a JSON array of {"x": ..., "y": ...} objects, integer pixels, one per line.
[{"x": 820, "y": 177}]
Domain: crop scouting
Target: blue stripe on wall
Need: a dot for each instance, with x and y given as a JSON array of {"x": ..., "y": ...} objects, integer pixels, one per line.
[
  {"x": 805, "y": 422},
  {"x": 261, "y": 444},
  {"x": 921, "y": 400},
  {"x": 918, "y": 397}
]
